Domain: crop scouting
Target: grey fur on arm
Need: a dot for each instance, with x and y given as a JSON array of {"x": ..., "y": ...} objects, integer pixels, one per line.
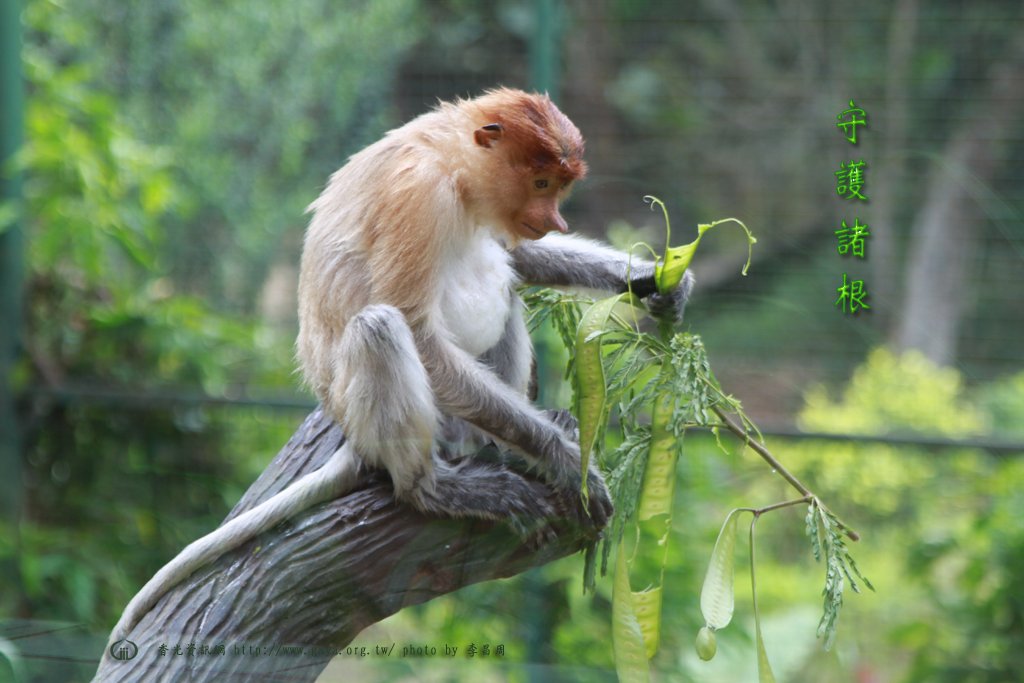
[
  {"x": 466, "y": 389},
  {"x": 571, "y": 261}
]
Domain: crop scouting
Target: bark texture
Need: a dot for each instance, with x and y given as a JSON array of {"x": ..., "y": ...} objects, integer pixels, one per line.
[{"x": 321, "y": 578}]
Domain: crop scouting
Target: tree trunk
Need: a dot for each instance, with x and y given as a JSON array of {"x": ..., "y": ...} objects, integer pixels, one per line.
[
  {"x": 945, "y": 234},
  {"x": 319, "y": 579},
  {"x": 890, "y": 126}
]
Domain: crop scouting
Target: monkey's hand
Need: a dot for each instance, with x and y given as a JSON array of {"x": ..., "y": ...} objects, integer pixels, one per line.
[
  {"x": 599, "y": 508},
  {"x": 599, "y": 503},
  {"x": 672, "y": 304}
]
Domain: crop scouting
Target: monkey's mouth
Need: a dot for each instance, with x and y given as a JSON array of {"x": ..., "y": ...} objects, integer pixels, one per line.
[{"x": 532, "y": 230}]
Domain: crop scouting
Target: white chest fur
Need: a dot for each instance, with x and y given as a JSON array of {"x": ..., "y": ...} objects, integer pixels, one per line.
[{"x": 475, "y": 300}]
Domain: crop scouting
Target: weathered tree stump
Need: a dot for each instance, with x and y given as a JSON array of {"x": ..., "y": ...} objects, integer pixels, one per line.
[{"x": 321, "y": 578}]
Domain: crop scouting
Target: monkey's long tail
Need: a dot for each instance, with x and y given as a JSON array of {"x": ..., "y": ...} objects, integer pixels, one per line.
[{"x": 336, "y": 477}]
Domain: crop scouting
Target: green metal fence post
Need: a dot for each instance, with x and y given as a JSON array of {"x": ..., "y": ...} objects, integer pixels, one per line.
[
  {"x": 545, "y": 60},
  {"x": 11, "y": 253}
]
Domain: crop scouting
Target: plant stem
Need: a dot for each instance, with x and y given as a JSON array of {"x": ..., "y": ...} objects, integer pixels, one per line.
[
  {"x": 665, "y": 329},
  {"x": 757, "y": 512},
  {"x": 753, "y": 573},
  {"x": 777, "y": 466}
]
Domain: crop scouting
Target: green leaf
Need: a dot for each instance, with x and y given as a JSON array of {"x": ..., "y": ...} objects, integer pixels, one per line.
[
  {"x": 716, "y": 596},
  {"x": 764, "y": 669},
  {"x": 838, "y": 564},
  {"x": 811, "y": 525},
  {"x": 660, "y": 475},
  {"x": 654, "y": 511},
  {"x": 647, "y": 606},
  {"x": 669, "y": 270},
  {"x": 591, "y": 404},
  {"x": 627, "y": 639}
]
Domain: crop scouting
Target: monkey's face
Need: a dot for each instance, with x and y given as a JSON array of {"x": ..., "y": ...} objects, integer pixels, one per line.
[
  {"x": 532, "y": 154},
  {"x": 537, "y": 213}
]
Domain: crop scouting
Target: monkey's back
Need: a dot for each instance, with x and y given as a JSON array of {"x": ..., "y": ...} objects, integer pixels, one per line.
[{"x": 377, "y": 234}]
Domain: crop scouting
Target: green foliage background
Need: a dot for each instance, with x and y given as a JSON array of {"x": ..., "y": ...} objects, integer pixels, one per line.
[{"x": 171, "y": 149}]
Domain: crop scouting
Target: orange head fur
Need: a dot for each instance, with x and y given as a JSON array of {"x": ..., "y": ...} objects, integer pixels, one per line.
[{"x": 533, "y": 153}]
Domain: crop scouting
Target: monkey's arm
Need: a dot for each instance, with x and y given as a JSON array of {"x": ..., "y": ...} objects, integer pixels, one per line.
[
  {"x": 465, "y": 388},
  {"x": 570, "y": 261}
]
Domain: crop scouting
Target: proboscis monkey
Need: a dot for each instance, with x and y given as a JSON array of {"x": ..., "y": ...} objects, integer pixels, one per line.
[{"x": 410, "y": 319}]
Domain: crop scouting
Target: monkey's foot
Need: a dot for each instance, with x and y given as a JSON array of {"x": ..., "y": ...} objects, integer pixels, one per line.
[{"x": 491, "y": 492}]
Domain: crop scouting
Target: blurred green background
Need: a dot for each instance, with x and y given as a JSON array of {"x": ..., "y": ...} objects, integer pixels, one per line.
[{"x": 157, "y": 160}]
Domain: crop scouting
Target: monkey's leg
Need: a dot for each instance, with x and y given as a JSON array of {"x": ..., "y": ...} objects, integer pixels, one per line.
[{"x": 391, "y": 420}]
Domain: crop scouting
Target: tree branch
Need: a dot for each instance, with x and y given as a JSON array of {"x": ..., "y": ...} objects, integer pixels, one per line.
[{"x": 321, "y": 578}]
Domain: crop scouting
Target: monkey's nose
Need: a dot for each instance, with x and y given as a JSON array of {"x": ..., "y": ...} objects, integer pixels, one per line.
[{"x": 556, "y": 223}]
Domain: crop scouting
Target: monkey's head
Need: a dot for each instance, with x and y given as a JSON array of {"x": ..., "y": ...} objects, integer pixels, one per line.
[{"x": 532, "y": 153}]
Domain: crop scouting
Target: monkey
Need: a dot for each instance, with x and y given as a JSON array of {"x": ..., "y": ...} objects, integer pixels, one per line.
[{"x": 410, "y": 322}]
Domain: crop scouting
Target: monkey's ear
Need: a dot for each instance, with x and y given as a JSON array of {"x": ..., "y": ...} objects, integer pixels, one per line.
[{"x": 488, "y": 135}]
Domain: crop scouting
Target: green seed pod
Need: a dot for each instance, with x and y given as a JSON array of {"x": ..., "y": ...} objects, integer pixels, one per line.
[{"x": 706, "y": 645}]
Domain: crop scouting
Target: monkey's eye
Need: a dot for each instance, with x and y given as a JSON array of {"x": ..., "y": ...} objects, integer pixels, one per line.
[{"x": 541, "y": 183}]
